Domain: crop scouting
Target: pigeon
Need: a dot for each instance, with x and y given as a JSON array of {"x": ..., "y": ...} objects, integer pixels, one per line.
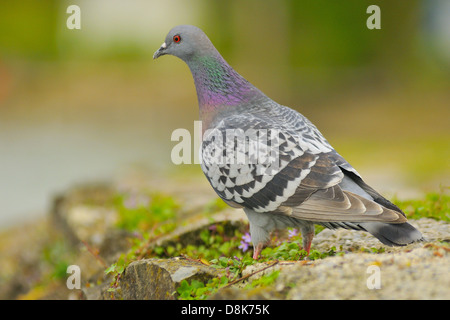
[{"x": 272, "y": 161}]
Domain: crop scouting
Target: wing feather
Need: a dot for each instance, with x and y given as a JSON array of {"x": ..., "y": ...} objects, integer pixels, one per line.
[{"x": 301, "y": 180}]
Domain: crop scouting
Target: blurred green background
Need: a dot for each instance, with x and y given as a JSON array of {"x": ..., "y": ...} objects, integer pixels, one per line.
[{"x": 90, "y": 104}]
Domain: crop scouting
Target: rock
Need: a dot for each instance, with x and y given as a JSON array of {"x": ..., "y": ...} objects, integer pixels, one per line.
[
  {"x": 234, "y": 293},
  {"x": 159, "y": 278},
  {"x": 351, "y": 240},
  {"x": 418, "y": 274},
  {"x": 82, "y": 214},
  {"x": 416, "y": 271},
  {"x": 85, "y": 217},
  {"x": 115, "y": 242},
  {"x": 99, "y": 292}
]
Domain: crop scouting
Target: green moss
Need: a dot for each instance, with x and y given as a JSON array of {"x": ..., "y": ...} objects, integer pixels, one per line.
[
  {"x": 215, "y": 243},
  {"x": 56, "y": 255},
  {"x": 142, "y": 211},
  {"x": 434, "y": 205},
  {"x": 264, "y": 281}
]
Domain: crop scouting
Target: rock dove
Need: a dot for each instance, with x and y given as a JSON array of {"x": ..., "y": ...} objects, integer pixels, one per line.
[{"x": 272, "y": 161}]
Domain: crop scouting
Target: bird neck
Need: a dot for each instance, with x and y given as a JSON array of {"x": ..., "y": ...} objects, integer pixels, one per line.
[{"x": 218, "y": 86}]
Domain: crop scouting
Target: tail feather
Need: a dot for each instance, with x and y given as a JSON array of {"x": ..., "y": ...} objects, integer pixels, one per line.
[
  {"x": 389, "y": 234},
  {"x": 393, "y": 234}
]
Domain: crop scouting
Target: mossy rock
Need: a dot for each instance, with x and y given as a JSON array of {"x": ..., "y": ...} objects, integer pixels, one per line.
[{"x": 159, "y": 278}]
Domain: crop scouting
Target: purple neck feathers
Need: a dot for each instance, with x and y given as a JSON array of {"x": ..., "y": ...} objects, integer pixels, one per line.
[{"x": 219, "y": 85}]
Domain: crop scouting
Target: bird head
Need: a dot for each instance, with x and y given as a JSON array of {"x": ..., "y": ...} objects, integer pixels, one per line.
[{"x": 185, "y": 42}]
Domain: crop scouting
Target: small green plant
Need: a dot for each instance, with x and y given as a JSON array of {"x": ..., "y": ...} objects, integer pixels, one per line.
[
  {"x": 264, "y": 281},
  {"x": 142, "y": 211},
  {"x": 435, "y": 205},
  {"x": 285, "y": 251},
  {"x": 315, "y": 254},
  {"x": 233, "y": 266},
  {"x": 198, "y": 290},
  {"x": 215, "y": 244},
  {"x": 117, "y": 267},
  {"x": 57, "y": 255},
  {"x": 116, "y": 270}
]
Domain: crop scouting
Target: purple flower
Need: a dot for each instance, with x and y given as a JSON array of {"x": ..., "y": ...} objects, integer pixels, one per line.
[
  {"x": 243, "y": 246},
  {"x": 246, "y": 237},
  {"x": 292, "y": 233}
]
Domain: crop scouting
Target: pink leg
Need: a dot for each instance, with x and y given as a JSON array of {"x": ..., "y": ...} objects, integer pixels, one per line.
[
  {"x": 257, "y": 251},
  {"x": 307, "y": 239}
]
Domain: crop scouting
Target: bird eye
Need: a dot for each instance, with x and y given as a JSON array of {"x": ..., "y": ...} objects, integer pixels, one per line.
[{"x": 176, "y": 38}]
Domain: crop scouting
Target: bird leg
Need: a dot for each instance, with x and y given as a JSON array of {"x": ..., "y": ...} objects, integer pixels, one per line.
[
  {"x": 307, "y": 237},
  {"x": 257, "y": 250}
]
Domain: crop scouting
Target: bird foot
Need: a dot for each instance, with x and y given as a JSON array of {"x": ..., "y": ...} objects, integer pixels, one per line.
[{"x": 257, "y": 251}]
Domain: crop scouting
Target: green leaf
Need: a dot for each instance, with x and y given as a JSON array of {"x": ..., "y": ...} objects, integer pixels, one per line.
[
  {"x": 184, "y": 287},
  {"x": 204, "y": 236},
  {"x": 111, "y": 269}
]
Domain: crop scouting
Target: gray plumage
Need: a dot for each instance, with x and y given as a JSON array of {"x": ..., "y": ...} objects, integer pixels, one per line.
[{"x": 272, "y": 161}]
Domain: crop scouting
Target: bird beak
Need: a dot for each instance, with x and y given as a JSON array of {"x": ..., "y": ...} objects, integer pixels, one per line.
[{"x": 160, "y": 51}]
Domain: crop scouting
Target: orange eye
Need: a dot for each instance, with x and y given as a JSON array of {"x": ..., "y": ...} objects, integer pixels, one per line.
[{"x": 176, "y": 38}]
